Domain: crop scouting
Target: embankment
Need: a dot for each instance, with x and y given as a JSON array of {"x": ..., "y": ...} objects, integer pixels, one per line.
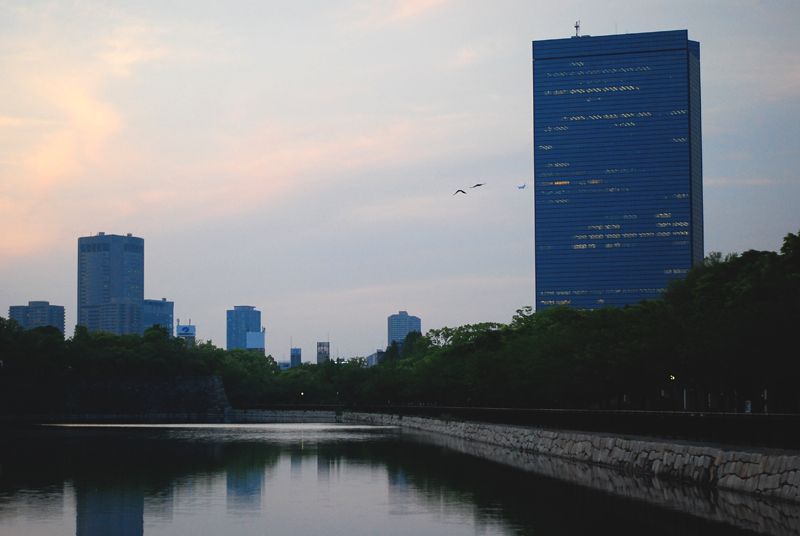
[{"x": 773, "y": 475}]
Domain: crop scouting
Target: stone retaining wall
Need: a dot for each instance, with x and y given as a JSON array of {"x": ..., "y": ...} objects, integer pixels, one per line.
[
  {"x": 773, "y": 475},
  {"x": 749, "y": 512}
]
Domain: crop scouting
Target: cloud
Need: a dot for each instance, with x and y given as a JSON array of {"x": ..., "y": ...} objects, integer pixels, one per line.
[
  {"x": 465, "y": 56},
  {"x": 57, "y": 123},
  {"x": 397, "y": 12},
  {"x": 130, "y": 45}
]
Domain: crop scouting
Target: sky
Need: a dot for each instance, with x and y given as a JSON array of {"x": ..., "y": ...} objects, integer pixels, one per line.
[{"x": 301, "y": 156}]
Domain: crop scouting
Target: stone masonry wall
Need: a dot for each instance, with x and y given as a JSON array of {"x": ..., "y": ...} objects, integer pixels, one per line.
[{"x": 769, "y": 475}]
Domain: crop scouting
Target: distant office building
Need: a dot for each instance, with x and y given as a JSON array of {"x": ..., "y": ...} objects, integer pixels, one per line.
[
  {"x": 111, "y": 283},
  {"x": 323, "y": 351},
  {"x": 187, "y": 332},
  {"x": 256, "y": 341},
  {"x": 38, "y": 313},
  {"x": 158, "y": 312},
  {"x": 242, "y": 319},
  {"x": 375, "y": 358},
  {"x": 285, "y": 365},
  {"x": 617, "y": 166},
  {"x": 295, "y": 357},
  {"x": 401, "y": 325}
]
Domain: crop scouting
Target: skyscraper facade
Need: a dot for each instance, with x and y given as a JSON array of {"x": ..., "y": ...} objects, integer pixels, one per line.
[
  {"x": 241, "y": 320},
  {"x": 295, "y": 357},
  {"x": 323, "y": 352},
  {"x": 402, "y": 324},
  {"x": 158, "y": 312},
  {"x": 111, "y": 283},
  {"x": 38, "y": 313},
  {"x": 617, "y": 166}
]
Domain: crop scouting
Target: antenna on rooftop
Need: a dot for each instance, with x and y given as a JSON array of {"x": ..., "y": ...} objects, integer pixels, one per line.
[{"x": 578, "y": 29}]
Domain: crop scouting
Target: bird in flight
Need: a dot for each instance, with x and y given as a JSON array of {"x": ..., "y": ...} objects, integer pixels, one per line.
[
  {"x": 479, "y": 184},
  {"x": 462, "y": 191},
  {"x": 523, "y": 186}
]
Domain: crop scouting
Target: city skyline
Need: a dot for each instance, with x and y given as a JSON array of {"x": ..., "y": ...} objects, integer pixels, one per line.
[{"x": 303, "y": 156}]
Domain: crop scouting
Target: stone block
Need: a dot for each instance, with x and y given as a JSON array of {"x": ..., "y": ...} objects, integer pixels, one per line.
[
  {"x": 773, "y": 482},
  {"x": 784, "y": 465},
  {"x": 740, "y": 469},
  {"x": 678, "y": 460}
]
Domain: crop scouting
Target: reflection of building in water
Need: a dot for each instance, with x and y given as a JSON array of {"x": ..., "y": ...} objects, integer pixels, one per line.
[
  {"x": 102, "y": 511},
  {"x": 296, "y": 459},
  {"x": 159, "y": 505},
  {"x": 244, "y": 487},
  {"x": 400, "y": 494},
  {"x": 323, "y": 466}
]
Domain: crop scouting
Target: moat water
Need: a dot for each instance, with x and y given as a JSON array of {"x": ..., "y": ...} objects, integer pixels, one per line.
[{"x": 293, "y": 479}]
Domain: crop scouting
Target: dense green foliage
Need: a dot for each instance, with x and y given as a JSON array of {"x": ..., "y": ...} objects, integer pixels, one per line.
[{"x": 722, "y": 335}]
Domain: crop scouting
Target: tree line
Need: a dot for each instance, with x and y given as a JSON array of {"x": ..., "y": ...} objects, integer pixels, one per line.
[{"x": 720, "y": 338}]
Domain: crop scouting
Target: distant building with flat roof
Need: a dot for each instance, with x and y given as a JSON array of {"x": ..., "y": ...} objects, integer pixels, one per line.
[
  {"x": 187, "y": 332},
  {"x": 158, "y": 312},
  {"x": 375, "y": 358},
  {"x": 111, "y": 283},
  {"x": 295, "y": 357},
  {"x": 241, "y": 320},
  {"x": 38, "y": 313},
  {"x": 256, "y": 341},
  {"x": 401, "y": 325},
  {"x": 323, "y": 352}
]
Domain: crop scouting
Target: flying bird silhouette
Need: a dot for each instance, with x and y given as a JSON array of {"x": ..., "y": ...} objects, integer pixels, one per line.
[
  {"x": 523, "y": 186},
  {"x": 479, "y": 184},
  {"x": 462, "y": 191}
]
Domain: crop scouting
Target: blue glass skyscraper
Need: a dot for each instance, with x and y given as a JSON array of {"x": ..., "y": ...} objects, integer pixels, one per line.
[
  {"x": 617, "y": 166},
  {"x": 400, "y": 325},
  {"x": 111, "y": 283},
  {"x": 241, "y": 320},
  {"x": 159, "y": 312}
]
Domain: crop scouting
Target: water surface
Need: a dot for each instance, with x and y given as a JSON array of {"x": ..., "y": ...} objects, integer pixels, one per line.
[{"x": 307, "y": 479}]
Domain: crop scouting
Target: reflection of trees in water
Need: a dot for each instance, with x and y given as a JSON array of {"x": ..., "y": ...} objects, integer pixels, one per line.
[
  {"x": 138, "y": 470},
  {"x": 441, "y": 481}
]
